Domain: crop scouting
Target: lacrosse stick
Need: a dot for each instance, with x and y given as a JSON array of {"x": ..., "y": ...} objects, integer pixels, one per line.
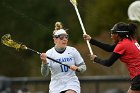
[
  {"x": 81, "y": 23},
  {"x": 134, "y": 11},
  {"x": 6, "y": 40}
]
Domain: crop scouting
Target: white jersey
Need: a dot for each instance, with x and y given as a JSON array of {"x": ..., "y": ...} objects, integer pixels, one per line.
[{"x": 63, "y": 78}]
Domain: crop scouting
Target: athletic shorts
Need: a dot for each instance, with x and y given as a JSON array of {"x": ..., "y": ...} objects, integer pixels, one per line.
[
  {"x": 135, "y": 83},
  {"x": 65, "y": 91}
]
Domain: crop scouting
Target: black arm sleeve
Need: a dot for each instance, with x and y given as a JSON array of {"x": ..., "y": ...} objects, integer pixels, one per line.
[
  {"x": 103, "y": 46},
  {"x": 108, "y": 62}
]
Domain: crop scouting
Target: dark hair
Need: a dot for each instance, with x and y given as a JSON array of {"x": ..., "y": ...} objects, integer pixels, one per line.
[
  {"x": 124, "y": 30},
  {"x": 132, "y": 29}
]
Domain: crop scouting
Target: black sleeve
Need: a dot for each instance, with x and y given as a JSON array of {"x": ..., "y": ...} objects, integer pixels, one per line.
[
  {"x": 103, "y": 46},
  {"x": 108, "y": 62}
]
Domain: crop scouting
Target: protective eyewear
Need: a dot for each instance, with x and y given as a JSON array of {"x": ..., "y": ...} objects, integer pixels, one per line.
[{"x": 61, "y": 37}]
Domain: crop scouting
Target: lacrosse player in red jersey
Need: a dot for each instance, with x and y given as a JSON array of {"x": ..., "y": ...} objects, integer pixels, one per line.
[
  {"x": 125, "y": 48},
  {"x": 63, "y": 79}
]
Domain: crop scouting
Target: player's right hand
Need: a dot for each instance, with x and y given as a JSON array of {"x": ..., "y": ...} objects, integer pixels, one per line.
[{"x": 43, "y": 57}]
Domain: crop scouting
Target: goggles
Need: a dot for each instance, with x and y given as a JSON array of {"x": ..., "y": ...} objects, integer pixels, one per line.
[{"x": 61, "y": 37}]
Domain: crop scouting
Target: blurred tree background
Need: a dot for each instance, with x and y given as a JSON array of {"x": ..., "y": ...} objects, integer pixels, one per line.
[{"x": 31, "y": 22}]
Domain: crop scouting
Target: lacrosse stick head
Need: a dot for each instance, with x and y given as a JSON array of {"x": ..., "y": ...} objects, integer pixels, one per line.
[
  {"x": 6, "y": 40},
  {"x": 74, "y": 2},
  {"x": 134, "y": 11}
]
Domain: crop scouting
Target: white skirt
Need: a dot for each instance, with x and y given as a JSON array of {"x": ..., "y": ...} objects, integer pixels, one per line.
[{"x": 59, "y": 85}]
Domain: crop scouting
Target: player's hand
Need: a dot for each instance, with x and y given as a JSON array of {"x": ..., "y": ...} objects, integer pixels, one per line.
[
  {"x": 92, "y": 57},
  {"x": 43, "y": 57},
  {"x": 73, "y": 67},
  {"x": 86, "y": 37}
]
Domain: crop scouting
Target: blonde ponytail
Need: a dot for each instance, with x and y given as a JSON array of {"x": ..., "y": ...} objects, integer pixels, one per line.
[{"x": 58, "y": 26}]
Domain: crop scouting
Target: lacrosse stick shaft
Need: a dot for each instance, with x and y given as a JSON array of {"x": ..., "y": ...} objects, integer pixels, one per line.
[
  {"x": 48, "y": 57},
  {"x": 82, "y": 26},
  {"x": 34, "y": 51}
]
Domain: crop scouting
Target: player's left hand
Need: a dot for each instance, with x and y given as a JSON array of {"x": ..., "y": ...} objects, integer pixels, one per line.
[
  {"x": 86, "y": 37},
  {"x": 73, "y": 67},
  {"x": 92, "y": 57}
]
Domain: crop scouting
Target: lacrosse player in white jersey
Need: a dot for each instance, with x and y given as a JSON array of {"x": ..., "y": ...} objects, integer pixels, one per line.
[{"x": 63, "y": 79}]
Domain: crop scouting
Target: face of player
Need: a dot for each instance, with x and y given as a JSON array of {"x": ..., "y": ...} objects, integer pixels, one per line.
[
  {"x": 115, "y": 37},
  {"x": 61, "y": 41}
]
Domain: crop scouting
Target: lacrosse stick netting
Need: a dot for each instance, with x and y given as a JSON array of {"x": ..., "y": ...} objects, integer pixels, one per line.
[{"x": 134, "y": 11}]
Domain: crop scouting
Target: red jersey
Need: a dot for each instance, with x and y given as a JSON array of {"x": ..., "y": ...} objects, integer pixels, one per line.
[{"x": 130, "y": 55}]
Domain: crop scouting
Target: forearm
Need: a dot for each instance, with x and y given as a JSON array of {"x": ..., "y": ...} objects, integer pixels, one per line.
[
  {"x": 103, "y": 46},
  {"x": 82, "y": 67},
  {"x": 108, "y": 62},
  {"x": 44, "y": 69}
]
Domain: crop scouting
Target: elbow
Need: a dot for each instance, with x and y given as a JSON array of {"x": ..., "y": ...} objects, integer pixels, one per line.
[
  {"x": 82, "y": 69},
  {"x": 109, "y": 50},
  {"x": 44, "y": 74},
  {"x": 108, "y": 65}
]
